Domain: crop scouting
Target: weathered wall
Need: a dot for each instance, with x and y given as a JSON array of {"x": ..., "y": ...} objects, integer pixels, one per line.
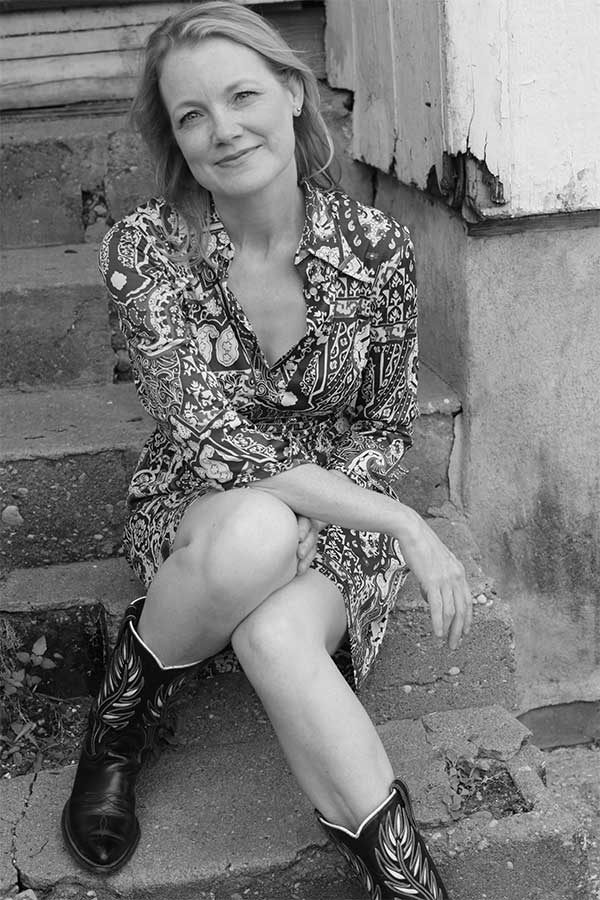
[
  {"x": 509, "y": 89},
  {"x": 440, "y": 239},
  {"x": 522, "y": 92},
  {"x": 512, "y": 322},
  {"x": 531, "y": 475},
  {"x": 500, "y": 119}
]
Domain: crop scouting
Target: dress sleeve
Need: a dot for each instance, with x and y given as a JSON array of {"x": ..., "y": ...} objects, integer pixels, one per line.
[
  {"x": 381, "y": 422},
  {"x": 175, "y": 384}
]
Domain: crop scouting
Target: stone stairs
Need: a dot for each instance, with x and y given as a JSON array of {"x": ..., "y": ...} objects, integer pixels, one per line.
[{"x": 221, "y": 816}]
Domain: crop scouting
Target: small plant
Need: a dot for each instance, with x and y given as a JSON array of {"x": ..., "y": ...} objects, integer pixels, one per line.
[
  {"x": 19, "y": 679},
  {"x": 482, "y": 784},
  {"x": 24, "y": 678}
]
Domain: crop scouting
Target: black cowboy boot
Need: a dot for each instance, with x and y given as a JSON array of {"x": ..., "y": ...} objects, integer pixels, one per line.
[
  {"x": 387, "y": 852},
  {"x": 126, "y": 719}
]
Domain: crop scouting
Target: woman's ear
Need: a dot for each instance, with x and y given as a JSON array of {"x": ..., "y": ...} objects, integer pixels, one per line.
[{"x": 296, "y": 89}]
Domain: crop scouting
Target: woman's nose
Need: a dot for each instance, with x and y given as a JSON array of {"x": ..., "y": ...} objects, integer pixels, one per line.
[{"x": 224, "y": 126}]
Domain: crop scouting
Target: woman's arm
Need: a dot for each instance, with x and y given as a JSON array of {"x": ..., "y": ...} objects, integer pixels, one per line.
[
  {"x": 367, "y": 456},
  {"x": 171, "y": 363},
  {"x": 381, "y": 420},
  {"x": 318, "y": 494}
]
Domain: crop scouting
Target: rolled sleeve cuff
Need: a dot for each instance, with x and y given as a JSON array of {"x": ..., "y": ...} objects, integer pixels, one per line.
[{"x": 374, "y": 468}]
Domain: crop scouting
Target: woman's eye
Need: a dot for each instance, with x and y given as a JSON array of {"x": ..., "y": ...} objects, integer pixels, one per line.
[
  {"x": 190, "y": 117},
  {"x": 244, "y": 95}
]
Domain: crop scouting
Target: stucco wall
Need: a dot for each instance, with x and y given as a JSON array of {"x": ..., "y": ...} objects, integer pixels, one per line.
[
  {"x": 512, "y": 323},
  {"x": 531, "y": 476}
]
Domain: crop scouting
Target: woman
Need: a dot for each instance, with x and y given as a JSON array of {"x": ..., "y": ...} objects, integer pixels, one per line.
[{"x": 271, "y": 323}]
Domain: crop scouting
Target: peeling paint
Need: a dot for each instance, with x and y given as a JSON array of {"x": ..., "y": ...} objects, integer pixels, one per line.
[{"x": 467, "y": 185}]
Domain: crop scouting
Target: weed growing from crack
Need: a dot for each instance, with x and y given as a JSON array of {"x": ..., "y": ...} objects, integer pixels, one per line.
[{"x": 482, "y": 784}]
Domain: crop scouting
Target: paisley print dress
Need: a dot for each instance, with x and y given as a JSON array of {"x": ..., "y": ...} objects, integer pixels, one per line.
[{"x": 343, "y": 397}]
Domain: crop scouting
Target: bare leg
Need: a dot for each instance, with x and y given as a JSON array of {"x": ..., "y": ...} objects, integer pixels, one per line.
[
  {"x": 231, "y": 551},
  {"x": 232, "y": 576},
  {"x": 328, "y": 739}
]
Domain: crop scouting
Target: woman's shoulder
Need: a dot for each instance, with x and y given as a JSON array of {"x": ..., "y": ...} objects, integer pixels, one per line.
[
  {"x": 157, "y": 221},
  {"x": 373, "y": 234}
]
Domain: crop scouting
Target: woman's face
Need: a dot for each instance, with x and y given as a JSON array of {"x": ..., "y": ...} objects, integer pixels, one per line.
[{"x": 231, "y": 116}]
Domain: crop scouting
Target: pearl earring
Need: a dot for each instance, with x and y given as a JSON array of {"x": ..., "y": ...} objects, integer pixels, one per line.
[{"x": 298, "y": 110}]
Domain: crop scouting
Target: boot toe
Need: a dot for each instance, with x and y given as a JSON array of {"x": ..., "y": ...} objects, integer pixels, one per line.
[{"x": 98, "y": 843}]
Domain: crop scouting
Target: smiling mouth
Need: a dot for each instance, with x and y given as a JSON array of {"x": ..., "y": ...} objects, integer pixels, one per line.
[{"x": 234, "y": 157}]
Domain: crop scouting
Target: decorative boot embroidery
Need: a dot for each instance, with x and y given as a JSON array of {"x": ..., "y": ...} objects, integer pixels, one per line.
[
  {"x": 388, "y": 854},
  {"x": 403, "y": 862},
  {"x": 119, "y": 694},
  {"x": 359, "y": 869}
]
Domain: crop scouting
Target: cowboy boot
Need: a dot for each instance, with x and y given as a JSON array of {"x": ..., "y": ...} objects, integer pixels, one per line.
[
  {"x": 387, "y": 852},
  {"x": 126, "y": 720}
]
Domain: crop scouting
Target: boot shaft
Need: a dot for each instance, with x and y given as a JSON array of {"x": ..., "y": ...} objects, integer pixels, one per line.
[
  {"x": 387, "y": 852},
  {"x": 132, "y": 705}
]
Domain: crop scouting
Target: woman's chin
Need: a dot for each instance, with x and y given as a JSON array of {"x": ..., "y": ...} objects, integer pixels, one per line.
[{"x": 247, "y": 180}]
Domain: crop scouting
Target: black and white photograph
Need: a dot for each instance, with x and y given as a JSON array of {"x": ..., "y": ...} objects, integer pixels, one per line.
[{"x": 300, "y": 450}]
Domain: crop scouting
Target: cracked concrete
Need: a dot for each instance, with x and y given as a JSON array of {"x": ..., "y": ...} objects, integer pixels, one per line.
[
  {"x": 240, "y": 826},
  {"x": 15, "y": 798}
]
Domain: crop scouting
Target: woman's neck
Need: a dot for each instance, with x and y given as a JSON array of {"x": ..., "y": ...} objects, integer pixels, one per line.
[{"x": 265, "y": 223}]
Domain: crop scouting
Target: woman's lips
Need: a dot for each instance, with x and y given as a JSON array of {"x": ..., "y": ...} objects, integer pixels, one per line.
[{"x": 235, "y": 157}]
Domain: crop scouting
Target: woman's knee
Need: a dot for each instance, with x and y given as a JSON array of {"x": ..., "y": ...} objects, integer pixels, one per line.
[
  {"x": 268, "y": 640},
  {"x": 293, "y": 627},
  {"x": 241, "y": 535}
]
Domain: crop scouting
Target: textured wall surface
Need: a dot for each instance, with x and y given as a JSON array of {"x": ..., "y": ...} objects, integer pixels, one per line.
[
  {"x": 505, "y": 85},
  {"x": 522, "y": 91},
  {"x": 512, "y": 323},
  {"x": 532, "y": 480},
  {"x": 440, "y": 239}
]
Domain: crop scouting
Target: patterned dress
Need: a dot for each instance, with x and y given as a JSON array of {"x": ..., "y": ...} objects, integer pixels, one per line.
[{"x": 343, "y": 397}]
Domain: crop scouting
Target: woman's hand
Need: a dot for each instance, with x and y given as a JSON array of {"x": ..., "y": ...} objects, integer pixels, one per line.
[
  {"x": 441, "y": 578},
  {"x": 308, "y": 535}
]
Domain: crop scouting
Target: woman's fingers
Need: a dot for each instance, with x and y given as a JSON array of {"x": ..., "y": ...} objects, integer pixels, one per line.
[
  {"x": 304, "y": 526},
  {"x": 450, "y": 606},
  {"x": 308, "y": 535},
  {"x": 468, "y": 611},
  {"x": 457, "y": 623},
  {"x": 436, "y": 608}
]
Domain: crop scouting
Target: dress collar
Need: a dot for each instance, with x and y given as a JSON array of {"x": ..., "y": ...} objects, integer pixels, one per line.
[{"x": 321, "y": 236}]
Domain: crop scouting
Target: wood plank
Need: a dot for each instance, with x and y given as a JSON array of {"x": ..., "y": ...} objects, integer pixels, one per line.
[
  {"x": 374, "y": 112},
  {"x": 304, "y": 32},
  {"x": 587, "y": 218},
  {"x": 38, "y": 96},
  {"x": 80, "y": 90},
  {"x": 21, "y": 82},
  {"x": 36, "y": 6},
  {"x": 66, "y": 20},
  {"x": 34, "y": 46},
  {"x": 340, "y": 44},
  {"x": 117, "y": 55},
  {"x": 416, "y": 30}
]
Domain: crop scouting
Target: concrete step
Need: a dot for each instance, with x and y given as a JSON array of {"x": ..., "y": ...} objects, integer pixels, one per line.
[
  {"x": 223, "y": 819},
  {"x": 66, "y": 456},
  {"x": 64, "y": 177},
  {"x": 51, "y": 165},
  {"x": 55, "y": 323}
]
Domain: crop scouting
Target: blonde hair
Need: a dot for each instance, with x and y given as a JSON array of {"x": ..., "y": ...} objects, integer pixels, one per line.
[{"x": 223, "y": 18}]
